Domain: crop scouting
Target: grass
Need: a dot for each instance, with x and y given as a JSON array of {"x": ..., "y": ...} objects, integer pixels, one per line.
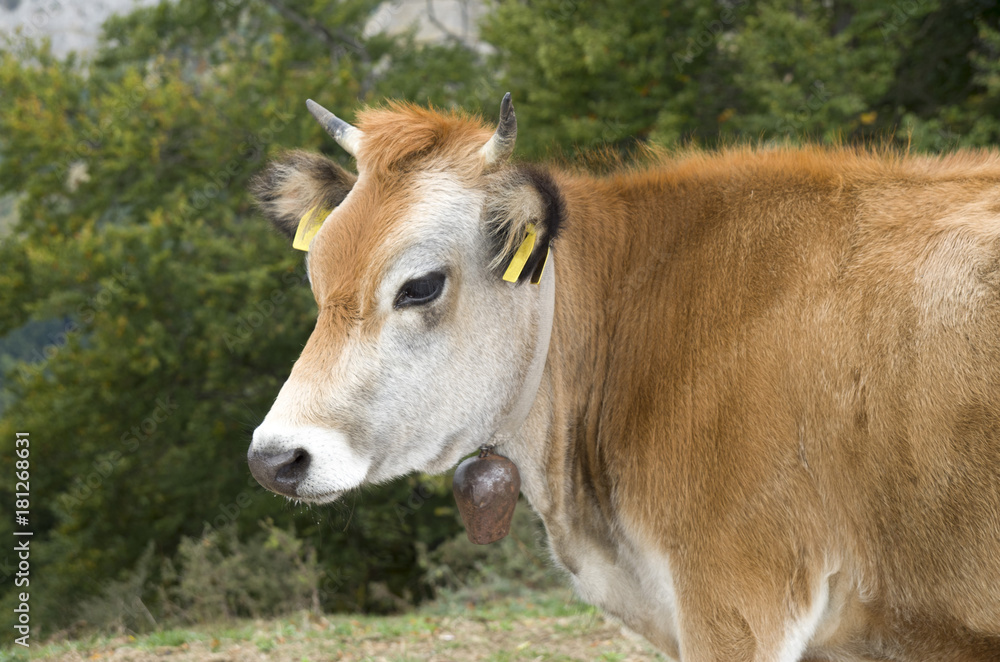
[
  {"x": 534, "y": 626},
  {"x": 498, "y": 603}
]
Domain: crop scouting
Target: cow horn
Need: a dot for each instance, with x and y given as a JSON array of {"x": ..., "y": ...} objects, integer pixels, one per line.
[
  {"x": 501, "y": 145},
  {"x": 347, "y": 136}
]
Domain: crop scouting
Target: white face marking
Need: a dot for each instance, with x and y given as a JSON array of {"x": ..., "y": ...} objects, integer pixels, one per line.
[{"x": 435, "y": 382}]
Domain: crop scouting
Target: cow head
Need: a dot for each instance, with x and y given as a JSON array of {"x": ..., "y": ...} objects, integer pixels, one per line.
[{"x": 427, "y": 336}]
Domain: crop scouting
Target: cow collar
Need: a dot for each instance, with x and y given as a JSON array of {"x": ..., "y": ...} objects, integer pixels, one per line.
[{"x": 517, "y": 414}]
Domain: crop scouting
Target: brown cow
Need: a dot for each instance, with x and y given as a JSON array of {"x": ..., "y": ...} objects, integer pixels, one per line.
[{"x": 767, "y": 424}]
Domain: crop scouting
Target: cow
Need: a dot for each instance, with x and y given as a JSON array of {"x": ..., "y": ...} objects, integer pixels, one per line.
[{"x": 753, "y": 393}]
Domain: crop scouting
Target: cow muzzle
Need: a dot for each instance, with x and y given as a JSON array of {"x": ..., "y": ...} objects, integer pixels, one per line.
[{"x": 308, "y": 463}]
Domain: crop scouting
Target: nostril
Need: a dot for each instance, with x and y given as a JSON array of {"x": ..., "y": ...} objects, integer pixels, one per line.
[
  {"x": 280, "y": 472},
  {"x": 294, "y": 469}
]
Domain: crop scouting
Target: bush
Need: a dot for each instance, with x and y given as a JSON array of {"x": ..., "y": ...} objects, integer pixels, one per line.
[
  {"x": 120, "y": 607},
  {"x": 460, "y": 570},
  {"x": 220, "y": 576}
]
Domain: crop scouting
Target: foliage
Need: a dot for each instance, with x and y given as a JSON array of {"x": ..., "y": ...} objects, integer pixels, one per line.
[
  {"x": 120, "y": 607},
  {"x": 221, "y": 576},
  {"x": 463, "y": 572},
  {"x": 176, "y": 311},
  {"x": 589, "y": 73}
]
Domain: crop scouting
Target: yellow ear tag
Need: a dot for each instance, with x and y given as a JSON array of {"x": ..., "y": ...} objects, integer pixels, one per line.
[
  {"x": 520, "y": 258},
  {"x": 309, "y": 225},
  {"x": 536, "y": 278}
]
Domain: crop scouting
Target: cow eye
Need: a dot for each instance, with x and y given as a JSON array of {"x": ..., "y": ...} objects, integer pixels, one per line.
[{"x": 421, "y": 290}]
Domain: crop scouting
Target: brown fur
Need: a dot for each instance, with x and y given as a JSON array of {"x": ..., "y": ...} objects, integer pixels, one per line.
[
  {"x": 400, "y": 134},
  {"x": 797, "y": 356},
  {"x": 768, "y": 364}
]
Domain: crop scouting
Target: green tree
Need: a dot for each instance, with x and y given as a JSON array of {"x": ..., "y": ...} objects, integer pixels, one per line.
[
  {"x": 948, "y": 95},
  {"x": 177, "y": 312},
  {"x": 589, "y": 73}
]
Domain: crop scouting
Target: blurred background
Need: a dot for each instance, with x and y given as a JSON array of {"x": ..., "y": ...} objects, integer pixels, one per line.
[{"x": 148, "y": 316}]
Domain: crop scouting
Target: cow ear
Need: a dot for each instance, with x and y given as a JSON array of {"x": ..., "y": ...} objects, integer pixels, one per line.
[
  {"x": 524, "y": 214},
  {"x": 297, "y": 182}
]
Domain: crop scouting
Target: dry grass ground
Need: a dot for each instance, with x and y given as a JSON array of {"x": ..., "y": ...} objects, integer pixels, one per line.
[{"x": 536, "y": 626}]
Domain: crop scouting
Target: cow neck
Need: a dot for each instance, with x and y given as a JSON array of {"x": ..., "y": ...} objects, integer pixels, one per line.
[{"x": 515, "y": 418}]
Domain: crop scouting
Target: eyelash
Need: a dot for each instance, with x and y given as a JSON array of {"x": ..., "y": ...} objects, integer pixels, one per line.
[{"x": 420, "y": 291}]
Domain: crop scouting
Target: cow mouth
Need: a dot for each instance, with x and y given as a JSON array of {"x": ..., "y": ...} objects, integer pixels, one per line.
[{"x": 318, "y": 499}]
